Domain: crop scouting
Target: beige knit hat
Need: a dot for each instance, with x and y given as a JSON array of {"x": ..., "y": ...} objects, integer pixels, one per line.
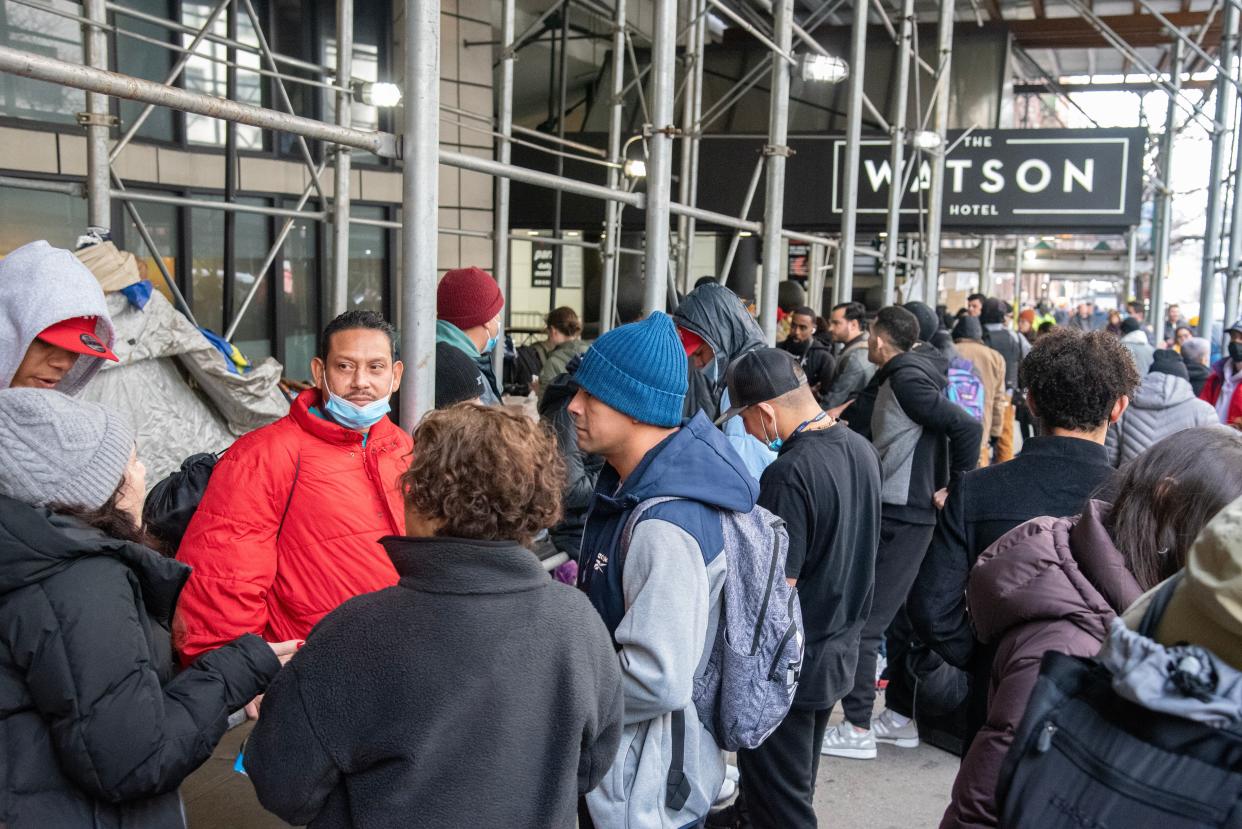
[{"x": 56, "y": 449}]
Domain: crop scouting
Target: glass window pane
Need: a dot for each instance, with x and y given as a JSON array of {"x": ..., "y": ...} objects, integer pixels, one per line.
[
  {"x": 203, "y": 74},
  {"x": 44, "y": 33},
  {"x": 29, "y": 215},
  {"x": 254, "y": 333},
  {"x": 207, "y": 267},
  {"x": 367, "y": 264},
  {"x": 299, "y": 294},
  {"x": 161, "y": 223},
  {"x": 145, "y": 60}
]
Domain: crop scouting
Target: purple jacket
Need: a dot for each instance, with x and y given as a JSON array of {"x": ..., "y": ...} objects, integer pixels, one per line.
[{"x": 1051, "y": 584}]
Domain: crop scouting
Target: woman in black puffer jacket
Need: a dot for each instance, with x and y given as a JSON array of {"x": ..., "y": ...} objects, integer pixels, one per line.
[{"x": 95, "y": 729}]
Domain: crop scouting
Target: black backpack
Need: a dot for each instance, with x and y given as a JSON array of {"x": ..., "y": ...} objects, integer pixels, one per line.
[
  {"x": 1084, "y": 756},
  {"x": 172, "y": 502}
]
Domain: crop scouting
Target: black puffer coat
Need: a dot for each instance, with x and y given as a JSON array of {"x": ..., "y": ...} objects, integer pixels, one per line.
[{"x": 96, "y": 730}]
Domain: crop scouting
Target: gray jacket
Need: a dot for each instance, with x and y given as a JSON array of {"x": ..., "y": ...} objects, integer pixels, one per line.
[
  {"x": 1164, "y": 404},
  {"x": 1141, "y": 350},
  {"x": 854, "y": 371}
]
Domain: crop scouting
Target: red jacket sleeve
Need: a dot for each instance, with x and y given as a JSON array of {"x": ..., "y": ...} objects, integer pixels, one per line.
[{"x": 231, "y": 544}]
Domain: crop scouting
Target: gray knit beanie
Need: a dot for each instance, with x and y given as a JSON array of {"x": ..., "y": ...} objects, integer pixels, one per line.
[{"x": 55, "y": 449}]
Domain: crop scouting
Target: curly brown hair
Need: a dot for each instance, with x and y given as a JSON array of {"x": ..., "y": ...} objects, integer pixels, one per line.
[
  {"x": 1074, "y": 378},
  {"x": 484, "y": 473}
]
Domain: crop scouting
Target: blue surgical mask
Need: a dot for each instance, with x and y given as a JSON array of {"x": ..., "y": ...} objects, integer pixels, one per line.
[
  {"x": 491, "y": 342},
  {"x": 351, "y": 415},
  {"x": 776, "y": 444}
]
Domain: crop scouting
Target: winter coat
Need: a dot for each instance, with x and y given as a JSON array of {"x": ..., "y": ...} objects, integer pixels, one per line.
[
  {"x": 1052, "y": 584},
  {"x": 817, "y": 364},
  {"x": 555, "y": 363},
  {"x": 1163, "y": 405},
  {"x": 476, "y": 692},
  {"x": 1143, "y": 353},
  {"x": 581, "y": 468},
  {"x": 990, "y": 366},
  {"x": 1011, "y": 346},
  {"x": 289, "y": 528},
  {"x": 662, "y": 608},
  {"x": 446, "y": 332},
  {"x": 96, "y": 729},
  {"x": 1199, "y": 374},
  {"x": 910, "y": 426},
  {"x": 854, "y": 371},
  {"x": 1216, "y": 382}
]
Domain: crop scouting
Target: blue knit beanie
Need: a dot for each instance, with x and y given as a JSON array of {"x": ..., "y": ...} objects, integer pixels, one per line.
[{"x": 638, "y": 369}]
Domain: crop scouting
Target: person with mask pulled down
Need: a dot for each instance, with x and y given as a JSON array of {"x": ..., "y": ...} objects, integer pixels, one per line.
[
  {"x": 290, "y": 524},
  {"x": 468, "y": 306}
]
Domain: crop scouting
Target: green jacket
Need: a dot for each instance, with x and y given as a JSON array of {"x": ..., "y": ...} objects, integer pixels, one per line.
[{"x": 554, "y": 364}]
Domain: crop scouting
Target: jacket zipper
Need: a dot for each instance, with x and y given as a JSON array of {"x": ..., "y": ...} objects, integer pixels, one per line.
[
  {"x": 1164, "y": 800},
  {"x": 767, "y": 594}
]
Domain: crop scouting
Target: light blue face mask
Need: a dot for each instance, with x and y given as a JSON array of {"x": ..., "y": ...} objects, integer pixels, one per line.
[
  {"x": 351, "y": 415},
  {"x": 491, "y": 342}
]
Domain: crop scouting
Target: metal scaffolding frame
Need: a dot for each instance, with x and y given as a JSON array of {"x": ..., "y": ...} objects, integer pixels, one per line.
[{"x": 666, "y": 263}]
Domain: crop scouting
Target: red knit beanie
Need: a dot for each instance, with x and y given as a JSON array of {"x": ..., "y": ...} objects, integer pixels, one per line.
[{"x": 468, "y": 297}]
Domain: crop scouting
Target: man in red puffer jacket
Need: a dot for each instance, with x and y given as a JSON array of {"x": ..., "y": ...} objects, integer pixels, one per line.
[{"x": 289, "y": 526}]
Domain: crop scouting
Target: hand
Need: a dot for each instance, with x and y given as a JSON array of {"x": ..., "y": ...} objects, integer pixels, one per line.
[
  {"x": 252, "y": 707},
  {"x": 940, "y": 497},
  {"x": 835, "y": 412},
  {"x": 285, "y": 650}
]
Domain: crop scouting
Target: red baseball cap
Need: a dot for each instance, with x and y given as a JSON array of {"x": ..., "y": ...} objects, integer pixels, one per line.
[
  {"x": 77, "y": 334},
  {"x": 690, "y": 341}
]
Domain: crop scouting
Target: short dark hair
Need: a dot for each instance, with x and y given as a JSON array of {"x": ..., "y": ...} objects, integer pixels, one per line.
[
  {"x": 993, "y": 311},
  {"x": 803, "y": 311},
  {"x": 1167, "y": 495},
  {"x": 898, "y": 326},
  {"x": 352, "y": 320},
  {"x": 564, "y": 320},
  {"x": 705, "y": 280},
  {"x": 1074, "y": 379},
  {"x": 981, "y": 297},
  {"x": 854, "y": 311}
]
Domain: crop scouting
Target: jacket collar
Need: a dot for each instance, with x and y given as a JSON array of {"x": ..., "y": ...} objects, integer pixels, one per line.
[
  {"x": 464, "y": 566},
  {"x": 381, "y": 433},
  {"x": 1100, "y": 560},
  {"x": 1058, "y": 446}
]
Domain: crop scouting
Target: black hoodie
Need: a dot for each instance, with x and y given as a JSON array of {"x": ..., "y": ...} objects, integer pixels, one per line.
[
  {"x": 714, "y": 313},
  {"x": 96, "y": 729}
]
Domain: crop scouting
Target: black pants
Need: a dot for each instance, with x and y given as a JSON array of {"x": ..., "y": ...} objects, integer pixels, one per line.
[
  {"x": 778, "y": 777},
  {"x": 897, "y": 560},
  {"x": 899, "y": 696}
]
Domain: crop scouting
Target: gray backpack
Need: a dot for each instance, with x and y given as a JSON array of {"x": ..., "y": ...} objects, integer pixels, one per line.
[{"x": 748, "y": 684}]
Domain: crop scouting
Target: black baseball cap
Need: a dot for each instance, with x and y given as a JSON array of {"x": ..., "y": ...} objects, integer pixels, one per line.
[{"x": 759, "y": 376}]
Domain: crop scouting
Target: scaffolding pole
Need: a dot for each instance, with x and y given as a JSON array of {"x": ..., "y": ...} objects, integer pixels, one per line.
[
  {"x": 612, "y": 210},
  {"x": 660, "y": 156},
  {"x": 1164, "y": 202},
  {"x": 777, "y": 151},
  {"x": 500, "y": 234},
  {"x": 420, "y": 198},
  {"x": 853, "y": 134},
  {"x": 96, "y": 119},
  {"x": 897, "y": 132},
  {"x": 987, "y": 264},
  {"x": 692, "y": 110},
  {"x": 935, "y": 199},
  {"x": 1218, "y": 171},
  {"x": 751, "y": 189},
  {"x": 1233, "y": 275},
  {"x": 344, "y": 160}
]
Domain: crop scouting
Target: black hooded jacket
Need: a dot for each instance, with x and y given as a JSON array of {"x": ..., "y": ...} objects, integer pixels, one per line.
[
  {"x": 817, "y": 363},
  {"x": 96, "y": 729},
  {"x": 714, "y": 313},
  {"x": 581, "y": 469}
]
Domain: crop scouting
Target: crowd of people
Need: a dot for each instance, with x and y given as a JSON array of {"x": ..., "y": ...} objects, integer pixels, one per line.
[{"x": 944, "y": 499}]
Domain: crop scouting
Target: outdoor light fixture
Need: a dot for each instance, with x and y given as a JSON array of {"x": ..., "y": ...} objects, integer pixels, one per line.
[
  {"x": 925, "y": 140},
  {"x": 822, "y": 69},
  {"x": 1030, "y": 254},
  {"x": 635, "y": 168},
  {"x": 383, "y": 95}
]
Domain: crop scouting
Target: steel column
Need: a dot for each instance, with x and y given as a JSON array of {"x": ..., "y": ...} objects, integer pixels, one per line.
[
  {"x": 96, "y": 118},
  {"x": 896, "y": 158},
  {"x": 774, "y": 191},
  {"x": 1218, "y": 171},
  {"x": 420, "y": 198},
  {"x": 1233, "y": 276},
  {"x": 612, "y": 210},
  {"x": 751, "y": 189},
  {"x": 853, "y": 135},
  {"x": 692, "y": 106},
  {"x": 344, "y": 161},
  {"x": 500, "y": 215},
  {"x": 935, "y": 201},
  {"x": 558, "y": 254},
  {"x": 987, "y": 264},
  {"x": 1164, "y": 199},
  {"x": 659, "y": 164}
]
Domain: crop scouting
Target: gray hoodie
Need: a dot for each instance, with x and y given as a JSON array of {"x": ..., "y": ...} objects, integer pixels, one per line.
[
  {"x": 1140, "y": 349},
  {"x": 1163, "y": 405},
  {"x": 40, "y": 286}
]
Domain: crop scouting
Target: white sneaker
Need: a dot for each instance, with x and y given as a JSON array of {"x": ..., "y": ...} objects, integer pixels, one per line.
[
  {"x": 886, "y": 730},
  {"x": 844, "y": 741},
  {"x": 731, "y": 773}
]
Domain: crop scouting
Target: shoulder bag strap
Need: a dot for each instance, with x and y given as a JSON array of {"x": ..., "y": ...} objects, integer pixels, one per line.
[{"x": 1159, "y": 602}]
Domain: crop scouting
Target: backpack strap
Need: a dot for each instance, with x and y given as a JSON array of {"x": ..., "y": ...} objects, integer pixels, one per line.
[
  {"x": 1159, "y": 602},
  {"x": 677, "y": 787},
  {"x": 627, "y": 532}
]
